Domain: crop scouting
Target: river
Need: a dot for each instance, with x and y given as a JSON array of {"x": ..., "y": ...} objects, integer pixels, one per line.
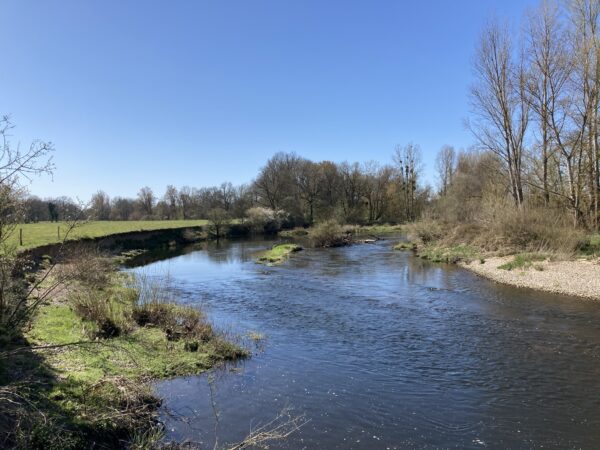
[{"x": 378, "y": 349}]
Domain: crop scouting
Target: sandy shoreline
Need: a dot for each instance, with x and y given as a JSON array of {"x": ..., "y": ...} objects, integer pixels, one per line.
[{"x": 579, "y": 278}]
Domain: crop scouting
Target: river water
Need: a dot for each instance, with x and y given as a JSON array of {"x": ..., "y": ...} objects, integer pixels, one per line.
[{"x": 378, "y": 349}]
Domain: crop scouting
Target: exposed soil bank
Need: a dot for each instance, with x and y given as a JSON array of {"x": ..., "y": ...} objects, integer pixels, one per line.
[
  {"x": 580, "y": 278},
  {"x": 123, "y": 241}
]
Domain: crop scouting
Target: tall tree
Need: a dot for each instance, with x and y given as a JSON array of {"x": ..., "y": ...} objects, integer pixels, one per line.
[
  {"x": 500, "y": 103},
  {"x": 445, "y": 165},
  {"x": 100, "y": 206},
  {"x": 146, "y": 201}
]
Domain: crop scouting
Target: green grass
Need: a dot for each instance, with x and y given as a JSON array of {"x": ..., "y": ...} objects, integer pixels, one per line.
[
  {"x": 404, "y": 246},
  {"x": 144, "y": 353},
  {"x": 591, "y": 246},
  {"x": 523, "y": 261},
  {"x": 278, "y": 253},
  {"x": 42, "y": 233},
  {"x": 100, "y": 391},
  {"x": 452, "y": 254}
]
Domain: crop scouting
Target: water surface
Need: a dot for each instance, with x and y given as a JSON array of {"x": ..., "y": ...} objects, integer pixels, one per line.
[{"x": 379, "y": 349}]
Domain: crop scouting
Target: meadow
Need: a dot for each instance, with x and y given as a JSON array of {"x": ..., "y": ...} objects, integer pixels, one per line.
[{"x": 42, "y": 233}]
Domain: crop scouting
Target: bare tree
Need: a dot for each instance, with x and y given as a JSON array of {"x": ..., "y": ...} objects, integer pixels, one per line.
[
  {"x": 352, "y": 189},
  {"x": 378, "y": 180},
  {"x": 218, "y": 220},
  {"x": 445, "y": 165},
  {"x": 100, "y": 206},
  {"x": 500, "y": 103},
  {"x": 146, "y": 201},
  {"x": 275, "y": 182},
  {"x": 408, "y": 166},
  {"x": 309, "y": 182},
  {"x": 171, "y": 201},
  {"x": 585, "y": 15}
]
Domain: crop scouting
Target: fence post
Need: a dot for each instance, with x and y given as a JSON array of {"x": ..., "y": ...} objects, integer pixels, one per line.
[
  {"x": 58, "y": 232},
  {"x": 21, "y": 236}
]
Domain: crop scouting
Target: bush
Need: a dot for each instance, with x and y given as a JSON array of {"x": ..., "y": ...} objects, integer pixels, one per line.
[
  {"x": 265, "y": 220},
  {"x": 329, "y": 234},
  {"x": 88, "y": 268},
  {"x": 532, "y": 230},
  {"x": 425, "y": 231},
  {"x": 110, "y": 318}
]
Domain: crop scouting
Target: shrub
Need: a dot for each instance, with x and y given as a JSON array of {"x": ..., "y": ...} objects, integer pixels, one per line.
[
  {"x": 329, "y": 234},
  {"x": 109, "y": 318},
  {"x": 533, "y": 230},
  {"x": 265, "y": 220},
  {"x": 90, "y": 269},
  {"x": 425, "y": 231}
]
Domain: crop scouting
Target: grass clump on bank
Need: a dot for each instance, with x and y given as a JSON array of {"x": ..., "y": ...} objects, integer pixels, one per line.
[
  {"x": 523, "y": 261},
  {"x": 405, "y": 246},
  {"x": 590, "y": 246},
  {"x": 279, "y": 253},
  {"x": 91, "y": 353},
  {"x": 449, "y": 254}
]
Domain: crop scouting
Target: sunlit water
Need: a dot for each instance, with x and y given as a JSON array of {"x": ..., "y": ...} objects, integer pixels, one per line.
[{"x": 379, "y": 349}]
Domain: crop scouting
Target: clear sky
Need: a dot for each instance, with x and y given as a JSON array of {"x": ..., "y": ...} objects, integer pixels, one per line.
[{"x": 136, "y": 93}]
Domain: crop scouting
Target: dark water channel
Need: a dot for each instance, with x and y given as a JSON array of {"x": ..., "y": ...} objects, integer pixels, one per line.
[{"x": 379, "y": 349}]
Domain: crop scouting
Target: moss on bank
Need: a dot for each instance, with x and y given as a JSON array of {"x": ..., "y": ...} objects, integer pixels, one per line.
[{"x": 278, "y": 254}]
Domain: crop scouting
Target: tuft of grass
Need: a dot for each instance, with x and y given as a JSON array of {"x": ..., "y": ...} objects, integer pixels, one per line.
[
  {"x": 590, "y": 246},
  {"x": 524, "y": 261},
  {"x": 451, "y": 254},
  {"x": 278, "y": 253},
  {"x": 255, "y": 336},
  {"x": 405, "y": 246}
]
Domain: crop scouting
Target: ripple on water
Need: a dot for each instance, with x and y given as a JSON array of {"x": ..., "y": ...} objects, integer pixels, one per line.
[{"x": 382, "y": 350}]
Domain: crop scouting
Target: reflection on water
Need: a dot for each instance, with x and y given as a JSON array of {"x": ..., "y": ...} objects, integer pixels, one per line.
[{"x": 382, "y": 350}]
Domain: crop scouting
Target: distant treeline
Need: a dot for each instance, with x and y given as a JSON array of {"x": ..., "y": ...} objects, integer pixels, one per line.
[
  {"x": 297, "y": 189},
  {"x": 535, "y": 121}
]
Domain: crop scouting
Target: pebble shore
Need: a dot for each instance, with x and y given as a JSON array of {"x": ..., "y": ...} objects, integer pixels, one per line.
[{"x": 579, "y": 277}]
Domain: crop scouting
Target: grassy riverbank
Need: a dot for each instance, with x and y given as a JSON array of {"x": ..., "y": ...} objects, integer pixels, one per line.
[
  {"x": 42, "y": 233},
  {"x": 82, "y": 372},
  {"x": 568, "y": 265}
]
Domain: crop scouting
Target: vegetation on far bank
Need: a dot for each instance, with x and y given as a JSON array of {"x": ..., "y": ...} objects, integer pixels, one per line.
[
  {"x": 42, "y": 233},
  {"x": 527, "y": 241}
]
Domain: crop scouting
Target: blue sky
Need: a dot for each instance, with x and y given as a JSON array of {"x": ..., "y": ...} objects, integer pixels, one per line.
[{"x": 136, "y": 93}]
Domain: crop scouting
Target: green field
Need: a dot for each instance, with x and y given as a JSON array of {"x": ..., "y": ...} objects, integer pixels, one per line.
[{"x": 37, "y": 234}]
